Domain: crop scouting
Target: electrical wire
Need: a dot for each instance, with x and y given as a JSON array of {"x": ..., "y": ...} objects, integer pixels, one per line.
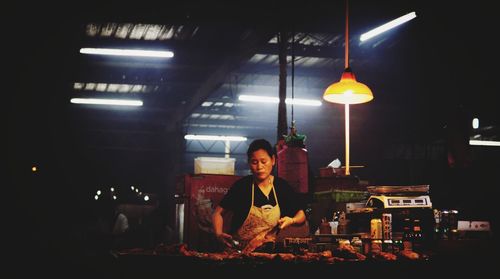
[{"x": 293, "y": 69}]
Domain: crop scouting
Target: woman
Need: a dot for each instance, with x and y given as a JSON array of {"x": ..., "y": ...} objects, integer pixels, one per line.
[{"x": 261, "y": 203}]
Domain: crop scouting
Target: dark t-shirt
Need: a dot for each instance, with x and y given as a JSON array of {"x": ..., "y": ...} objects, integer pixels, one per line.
[{"x": 239, "y": 198}]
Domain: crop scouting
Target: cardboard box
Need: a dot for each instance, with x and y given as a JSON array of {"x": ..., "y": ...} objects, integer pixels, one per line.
[
  {"x": 214, "y": 165},
  {"x": 473, "y": 225},
  {"x": 198, "y": 197}
]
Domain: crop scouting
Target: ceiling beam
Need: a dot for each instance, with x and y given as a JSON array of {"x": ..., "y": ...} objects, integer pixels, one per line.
[
  {"x": 247, "y": 47},
  {"x": 358, "y": 50},
  {"x": 305, "y": 50}
]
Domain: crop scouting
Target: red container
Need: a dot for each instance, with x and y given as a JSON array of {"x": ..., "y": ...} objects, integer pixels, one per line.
[
  {"x": 293, "y": 167},
  {"x": 326, "y": 172}
]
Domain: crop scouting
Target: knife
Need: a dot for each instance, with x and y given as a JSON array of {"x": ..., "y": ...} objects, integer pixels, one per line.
[{"x": 277, "y": 228}]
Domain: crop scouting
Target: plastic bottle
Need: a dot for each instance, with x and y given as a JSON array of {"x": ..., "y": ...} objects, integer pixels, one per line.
[
  {"x": 342, "y": 227},
  {"x": 417, "y": 236},
  {"x": 376, "y": 228},
  {"x": 324, "y": 227},
  {"x": 437, "y": 224},
  {"x": 407, "y": 236}
]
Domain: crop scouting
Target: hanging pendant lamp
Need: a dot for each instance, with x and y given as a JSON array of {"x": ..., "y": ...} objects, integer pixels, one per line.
[{"x": 347, "y": 91}]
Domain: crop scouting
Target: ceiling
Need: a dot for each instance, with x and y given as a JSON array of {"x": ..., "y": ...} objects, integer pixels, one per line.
[{"x": 425, "y": 75}]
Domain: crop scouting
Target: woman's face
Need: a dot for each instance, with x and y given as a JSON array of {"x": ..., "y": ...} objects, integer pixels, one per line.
[{"x": 261, "y": 164}]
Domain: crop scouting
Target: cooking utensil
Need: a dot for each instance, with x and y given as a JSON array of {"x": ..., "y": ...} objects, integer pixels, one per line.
[{"x": 235, "y": 244}]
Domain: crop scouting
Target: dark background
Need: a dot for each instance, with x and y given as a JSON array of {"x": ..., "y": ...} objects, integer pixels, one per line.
[{"x": 446, "y": 61}]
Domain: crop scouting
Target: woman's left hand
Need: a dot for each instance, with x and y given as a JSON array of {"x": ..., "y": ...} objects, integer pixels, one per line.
[{"x": 285, "y": 222}]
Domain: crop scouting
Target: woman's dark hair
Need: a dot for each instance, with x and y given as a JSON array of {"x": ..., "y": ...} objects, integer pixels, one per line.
[{"x": 260, "y": 144}]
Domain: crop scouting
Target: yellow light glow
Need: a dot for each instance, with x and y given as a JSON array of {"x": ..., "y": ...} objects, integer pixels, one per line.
[{"x": 348, "y": 91}]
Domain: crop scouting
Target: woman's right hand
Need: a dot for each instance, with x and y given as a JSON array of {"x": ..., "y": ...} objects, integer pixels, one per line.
[{"x": 225, "y": 239}]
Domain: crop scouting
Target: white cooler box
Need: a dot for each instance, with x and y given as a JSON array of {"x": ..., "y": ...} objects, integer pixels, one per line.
[{"x": 214, "y": 165}]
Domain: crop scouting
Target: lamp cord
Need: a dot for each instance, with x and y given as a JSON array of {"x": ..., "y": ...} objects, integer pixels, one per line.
[
  {"x": 347, "y": 156},
  {"x": 346, "y": 34},
  {"x": 293, "y": 69}
]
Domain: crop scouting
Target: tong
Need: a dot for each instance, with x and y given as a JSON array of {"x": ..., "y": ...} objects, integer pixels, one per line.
[{"x": 235, "y": 244}]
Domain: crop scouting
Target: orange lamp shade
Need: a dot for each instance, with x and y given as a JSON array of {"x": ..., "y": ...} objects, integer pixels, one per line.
[{"x": 348, "y": 90}]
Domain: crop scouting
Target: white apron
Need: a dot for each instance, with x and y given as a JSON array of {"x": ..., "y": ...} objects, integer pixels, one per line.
[{"x": 260, "y": 226}]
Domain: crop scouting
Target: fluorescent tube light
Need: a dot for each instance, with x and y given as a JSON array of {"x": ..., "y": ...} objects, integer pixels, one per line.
[
  {"x": 211, "y": 137},
  {"x": 391, "y": 24},
  {"x": 259, "y": 99},
  {"x": 128, "y": 52},
  {"x": 114, "y": 102},
  {"x": 275, "y": 100},
  {"x": 475, "y": 123},
  {"x": 303, "y": 102},
  {"x": 484, "y": 142}
]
